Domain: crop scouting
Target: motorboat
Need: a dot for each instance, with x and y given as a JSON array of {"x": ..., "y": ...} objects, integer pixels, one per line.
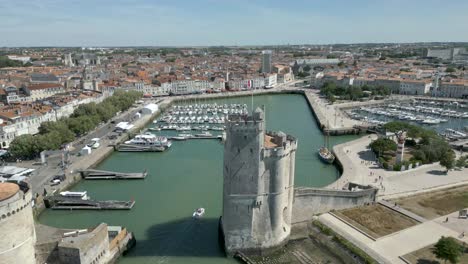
[
  {"x": 198, "y": 213},
  {"x": 75, "y": 195},
  {"x": 145, "y": 142},
  {"x": 326, "y": 155},
  {"x": 204, "y": 134}
]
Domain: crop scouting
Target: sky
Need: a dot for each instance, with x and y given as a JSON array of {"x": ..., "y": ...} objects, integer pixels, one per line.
[{"x": 93, "y": 23}]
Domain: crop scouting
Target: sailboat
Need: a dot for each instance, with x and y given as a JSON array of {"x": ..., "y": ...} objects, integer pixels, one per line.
[{"x": 324, "y": 153}]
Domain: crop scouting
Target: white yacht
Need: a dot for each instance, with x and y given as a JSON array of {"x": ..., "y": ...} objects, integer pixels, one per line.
[
  {"x": 75, "y": 195},
  {"x": 145, "y": 142}
]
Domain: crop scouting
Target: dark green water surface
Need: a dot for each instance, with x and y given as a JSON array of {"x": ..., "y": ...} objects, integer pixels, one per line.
[{"x": 186, "y": 177}]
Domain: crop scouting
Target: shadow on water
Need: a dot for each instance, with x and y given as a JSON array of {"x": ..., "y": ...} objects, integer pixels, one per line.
[{"x": 186, "y": 237}]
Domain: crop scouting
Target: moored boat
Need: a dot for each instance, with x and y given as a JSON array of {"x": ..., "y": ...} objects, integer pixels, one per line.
[
  {"x": 326, "y": 155},
  {"x": 147, "y": 142}
]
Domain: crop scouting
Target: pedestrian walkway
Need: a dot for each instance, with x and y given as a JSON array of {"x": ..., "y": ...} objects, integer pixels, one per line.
[
  {"x": 403, "y": 211},
  {"x": 389, "y": 248},
  {"x": 359, "y": 167}
]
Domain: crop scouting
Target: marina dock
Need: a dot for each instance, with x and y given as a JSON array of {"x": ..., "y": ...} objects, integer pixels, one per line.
[
  {"x": 111, "y": 175},
  {"x": 66, "y": 203}
]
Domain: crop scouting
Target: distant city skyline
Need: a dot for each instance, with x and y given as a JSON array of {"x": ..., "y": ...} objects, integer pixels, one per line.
[{"x": 210, "y": 23}]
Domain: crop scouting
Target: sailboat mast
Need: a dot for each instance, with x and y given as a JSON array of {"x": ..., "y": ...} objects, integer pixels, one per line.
[{"x": 252, "y": 99}]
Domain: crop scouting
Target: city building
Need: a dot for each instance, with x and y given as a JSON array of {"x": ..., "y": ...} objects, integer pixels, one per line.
[
  {"x": 37, "y": 78},
  {"x": 415, "y": 87},
  {"x": 266, "y": 61},
  {"x": 21, "y": 119},
  {"x": 43, "y": 90},
  {"x": 10, "y": 94},
  {"x": 456, "y": 55},
  {"x": 454, "y": 89},
  {"x": 271, "y": 80},
  {"x": 258, "y": 185},
  {"x": 23, "y": 59},
  {"x": 17, "y": 234},
  {"x": 84, "y": 59}
]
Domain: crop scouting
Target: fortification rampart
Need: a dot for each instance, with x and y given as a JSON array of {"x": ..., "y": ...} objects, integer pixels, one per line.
[{"x": 312, "y": 201}]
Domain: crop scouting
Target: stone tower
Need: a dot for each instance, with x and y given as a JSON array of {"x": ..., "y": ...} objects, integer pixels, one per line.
[
  {"x": 258, "y": 187},
  {"x": 17, "y": 234}
]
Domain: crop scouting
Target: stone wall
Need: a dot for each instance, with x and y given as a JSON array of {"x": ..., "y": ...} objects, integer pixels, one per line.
[
  {"x": 17, "y": 234},
  {"x": 312, "y": 201},
  {"x": 90, "y": 247}
]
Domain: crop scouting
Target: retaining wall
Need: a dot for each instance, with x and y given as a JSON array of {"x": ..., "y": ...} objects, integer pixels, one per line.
[{"x": 312, "y": 201}]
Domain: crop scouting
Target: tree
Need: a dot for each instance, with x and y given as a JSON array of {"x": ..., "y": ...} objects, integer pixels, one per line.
[
  {"x": 450, "y": 69},
  {"x": 6, "y": 62},
  {"x": 448, "y": 160},
  {"x": 382, "y": 145},
  {"x": 24, "y": 147},
  {"x": 60, "y": 128},
  {"x": 462, "y": 162},
  {"x": 448, "y": 249},
  {"x": 81, "y": 125}
]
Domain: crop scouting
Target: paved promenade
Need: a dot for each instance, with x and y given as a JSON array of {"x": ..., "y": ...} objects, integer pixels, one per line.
[
  {"x": 387, "y": 249},
  {"x": 359, "y": 166},
  {"x": 330, "y": 115}
]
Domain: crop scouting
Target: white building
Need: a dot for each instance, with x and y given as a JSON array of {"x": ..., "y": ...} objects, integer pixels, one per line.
[
  {"x": 458, "y": 89},
  {"x": 194, "y": 86},
  {"x": 23, "y": 59},
  {"x": 414, "y": 87},
  {"x": 43, "y": 90},
  {"x": 271, "y": 80},
  {"x": 22, "y": 121}
]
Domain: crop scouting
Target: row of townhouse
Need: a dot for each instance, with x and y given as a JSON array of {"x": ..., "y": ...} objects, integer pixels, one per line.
[
  {"x": 10, "y": 94},
  {"x": 454, "y": 89},
  {"x": 43, "y": 90},
  {"x": 396, "y": 85},
  {"x": 177, "y": 87},
  {"x": 26, "y": 119},
  {"x": 268, "y": 81},
  {"x": 195, "y": 86}
]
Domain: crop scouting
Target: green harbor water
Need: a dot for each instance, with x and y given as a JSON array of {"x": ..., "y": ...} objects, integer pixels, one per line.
[{"x": 186, "y": 177}]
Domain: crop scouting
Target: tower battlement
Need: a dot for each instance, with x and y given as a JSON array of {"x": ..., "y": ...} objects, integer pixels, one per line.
[{"x": 258, "y": 185}]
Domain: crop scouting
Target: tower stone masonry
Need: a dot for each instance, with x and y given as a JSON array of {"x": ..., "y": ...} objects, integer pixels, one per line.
[{"x": 258, "y": 187}]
